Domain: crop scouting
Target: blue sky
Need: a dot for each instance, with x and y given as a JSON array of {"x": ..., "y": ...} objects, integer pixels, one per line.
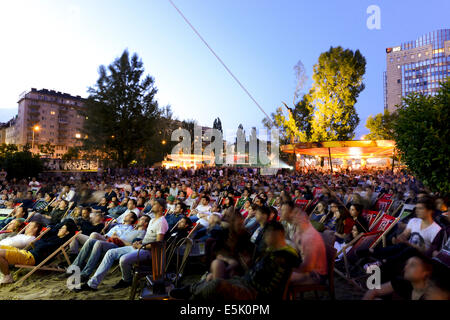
[{"x": 60, "y": 44}]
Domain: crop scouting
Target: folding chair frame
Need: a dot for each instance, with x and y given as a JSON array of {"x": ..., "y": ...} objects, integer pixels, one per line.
[{"x": 41, "y": 266}]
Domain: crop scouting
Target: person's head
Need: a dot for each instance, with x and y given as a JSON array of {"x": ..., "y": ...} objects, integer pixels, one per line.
[
  {"x": 140, "y": 202},
  {"x": 131, "y": 204},
  {"x": 143, "y": 222},
  {"x": 334, "y": 207},
  {"x": 356, "y": 210},
  {"x": 273, "y": 213},
  {"x": 68, "y": 228},
  {"x": 204, "y": 201},
  {"x": 85, "y": 212},
  {"x": 258, "y": 201},
  {"x": 425, "y": 208},
  {"x": 97, "y": 218},
  {"x": 66, "y": 188},
  {"x": 14, "y": 226},
  {"x": 417, "y": 269},
  {"x": 130, "y": 218},
  {"x": 170, "y": 199},
  {"x": 321, "y": 206},
  {"x": 214, "y": 219},
  {"x": 33, "y": 229},
  {"x": 184, "y": 223},
  {"x": 20, "y": 212},
  {"x": 62, "y": 205},
  {"x": 287, "y": 210},
  {"x": 159, "y": 205},
  {"x": 274, "y": 236},
  {"x": 48, "y": 197},
  {"x": 262, "y": 215},
  {"x": 180, "y": 208}
]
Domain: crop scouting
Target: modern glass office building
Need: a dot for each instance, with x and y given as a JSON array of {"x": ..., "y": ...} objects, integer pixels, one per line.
[{"x": 416, "y": 66}]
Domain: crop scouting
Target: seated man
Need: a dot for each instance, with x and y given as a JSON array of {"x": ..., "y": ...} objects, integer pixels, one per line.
[
  {"x": 41, "y": 204},
  {"x": 201, "y": 213},
  {"x": 120, "y": 235},
  {"x": 413, "y": 284},
  {"x": 87, "y": 226},
  {"x": 309, "y": 243},
  {"x": 173, "y": 217},
  {"x": 113, "y": 255},
  {"x": 42, "y": 249},
  {"x": 156, "y": 230},
  {"x": 12, "y": 229},
  {"x": 267, "y": 278},
  {"x": 17, "y": 213},
  {"x": 131, "y": 207},
  {"x": 117, "y": 211},
  {"x": 21, "y": 241},
  {"x": 54, "y": 217}
]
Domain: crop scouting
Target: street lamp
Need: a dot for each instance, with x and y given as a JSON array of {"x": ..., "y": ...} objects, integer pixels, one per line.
[
  {"x": 35, "y": 128},
  {"x": 78, "y": 136},
  {"x": 163, "y": 142}
]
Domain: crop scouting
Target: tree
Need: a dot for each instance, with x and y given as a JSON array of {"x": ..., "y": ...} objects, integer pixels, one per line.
[
  {"x": 47, "y": 149},
  {"x": 19, "y": 164},
  {"x": 121, "y": 110},
  {"x": 71, "y": 154},
  {"x": 337, "y": 83},
  {"x": 381, "y": 126},
  {"x": 421, "y": 134}
]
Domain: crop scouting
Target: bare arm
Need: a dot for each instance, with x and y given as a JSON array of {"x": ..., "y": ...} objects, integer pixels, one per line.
[{"x": 385, "y": 289}]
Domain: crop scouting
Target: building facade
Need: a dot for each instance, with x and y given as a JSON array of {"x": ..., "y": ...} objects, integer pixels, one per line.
[
  {"x": 416, "y": 66},
  {"x": 46, "y": 116}
]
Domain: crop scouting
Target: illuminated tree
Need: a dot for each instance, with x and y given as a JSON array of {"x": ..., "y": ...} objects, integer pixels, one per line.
[
  {"x": 337, "y": 83},
  {"x": 381, "y": 126}
]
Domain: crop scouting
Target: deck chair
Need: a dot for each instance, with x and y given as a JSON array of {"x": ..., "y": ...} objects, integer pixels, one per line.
[
  {"x": 156, "y": 270},
  {"x": 295, "y": 289},
  {"x": 317, "y": 191},
  {"x": 406, "y": 211},
  {"x": 386, "y": 196},
  {"x": 68, "y": 209},
  {"x": 303, "y": 204},
  {"x": 384, "y": 224},
  {"x": 383, "y": 205},
  {"x": 370, "y": 216},
  {"x": 42, "y": 265}
]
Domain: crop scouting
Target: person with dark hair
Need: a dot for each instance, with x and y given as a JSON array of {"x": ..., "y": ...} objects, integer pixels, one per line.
[
  {"x": 94, "y": 248},
  {"x": 131, "y": 207},
  {"x": 415, "y": 239},
  {"x": 412, "y": 286},
  {"x": 232, "y": 248},
  {"x": 173, "y": 217},
  {"x": 263, "y": 216},
  {"x": 265, "y": 280},
  {"x": 356, "y": 215},
  {"x": 54, "y": 217},
  {"x": 55, "y": 238},
  {"x": 20, "y": 241}
]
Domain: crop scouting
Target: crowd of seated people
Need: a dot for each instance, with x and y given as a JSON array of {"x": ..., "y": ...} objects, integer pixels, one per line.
[{"x": 258, "y": 239}]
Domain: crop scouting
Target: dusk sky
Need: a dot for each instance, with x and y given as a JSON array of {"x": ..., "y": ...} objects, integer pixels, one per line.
[{"x": 60, "y": 44}]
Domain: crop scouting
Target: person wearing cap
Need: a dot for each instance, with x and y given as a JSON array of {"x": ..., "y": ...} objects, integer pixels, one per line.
[
  {"x": 157, "y": 228},
  {"x": 170, "y": 204}
]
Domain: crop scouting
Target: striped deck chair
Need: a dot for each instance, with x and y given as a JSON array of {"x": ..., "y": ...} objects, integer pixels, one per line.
[
  {"x": 302, "y": 204},
  {"x": 383, "y": 205}
]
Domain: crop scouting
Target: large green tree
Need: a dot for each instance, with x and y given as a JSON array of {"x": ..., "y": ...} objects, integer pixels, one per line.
[
  {"x": 337, "y": 83},
  {"x": 422, "y": 134},
  {"x": 381, "y": 126},
  {"x": 121, "y": 111},
  {"x": 19, "y": 164}
]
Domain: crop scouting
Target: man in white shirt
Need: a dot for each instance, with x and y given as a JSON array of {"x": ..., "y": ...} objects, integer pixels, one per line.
[
  {"x": 202, "y": 212},
  {"x": 131, "y": 205},
  {"x": 156, "y": 230},
  {"x": 67, "y": 194},
  {"x": 34, "y": 185},
  {"x": 20, "y": 241}
]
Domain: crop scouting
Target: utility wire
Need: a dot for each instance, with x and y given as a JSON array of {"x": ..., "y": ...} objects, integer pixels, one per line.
[{"x": 223, "y": 64}]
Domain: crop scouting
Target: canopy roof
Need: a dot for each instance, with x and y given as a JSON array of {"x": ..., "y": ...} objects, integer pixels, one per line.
[{"x": 344, "y": 149}]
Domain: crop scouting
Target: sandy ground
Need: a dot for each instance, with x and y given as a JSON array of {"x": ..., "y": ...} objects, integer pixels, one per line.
[{"x": 52, "y": 286}]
